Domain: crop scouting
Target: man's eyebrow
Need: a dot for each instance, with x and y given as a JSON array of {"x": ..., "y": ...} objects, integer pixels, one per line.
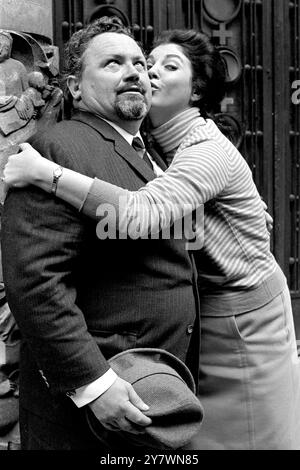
[
  {"x": 121, "y": 56},
  {"x": 112, "y": 55}
]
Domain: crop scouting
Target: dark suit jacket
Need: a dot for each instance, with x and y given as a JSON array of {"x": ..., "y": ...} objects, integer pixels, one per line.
[{"x": 77, "y": 299}]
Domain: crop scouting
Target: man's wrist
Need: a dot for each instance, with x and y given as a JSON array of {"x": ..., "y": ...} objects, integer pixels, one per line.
[{"x": 89, "y": 393}]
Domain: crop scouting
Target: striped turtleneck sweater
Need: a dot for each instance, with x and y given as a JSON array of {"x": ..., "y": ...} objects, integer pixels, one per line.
[{"x": 206, "y": 170}]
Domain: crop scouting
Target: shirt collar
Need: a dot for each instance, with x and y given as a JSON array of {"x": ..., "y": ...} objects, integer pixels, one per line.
[
  {"x": 126, "y": 135},
  {"x": 129, "y": 138}
]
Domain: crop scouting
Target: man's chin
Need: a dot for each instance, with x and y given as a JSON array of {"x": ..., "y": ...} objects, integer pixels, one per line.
[{"x": 132, "y": 109}]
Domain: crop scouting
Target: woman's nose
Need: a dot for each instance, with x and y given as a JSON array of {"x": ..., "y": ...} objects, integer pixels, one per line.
[{"x": 152, "y": 72}]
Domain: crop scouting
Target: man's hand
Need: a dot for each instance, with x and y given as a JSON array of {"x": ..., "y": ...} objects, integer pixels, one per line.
[{"x": 120, "y": 408}]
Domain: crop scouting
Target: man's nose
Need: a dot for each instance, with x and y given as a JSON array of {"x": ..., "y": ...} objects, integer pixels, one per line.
[{"x": 131, "y": 73}]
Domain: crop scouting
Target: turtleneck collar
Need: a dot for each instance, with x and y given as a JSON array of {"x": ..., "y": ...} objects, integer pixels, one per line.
[{"x": 171, "y": 134}]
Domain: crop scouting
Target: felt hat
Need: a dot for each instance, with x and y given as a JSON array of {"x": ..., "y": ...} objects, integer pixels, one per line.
[{"x": 166, "y": 385}]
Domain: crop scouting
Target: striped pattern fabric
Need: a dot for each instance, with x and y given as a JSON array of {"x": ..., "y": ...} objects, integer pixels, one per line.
[{"x": 206, "y": 169}]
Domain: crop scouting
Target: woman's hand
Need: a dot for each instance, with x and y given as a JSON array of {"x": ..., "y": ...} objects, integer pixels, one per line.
[
  {"x": 22, "y": 168},
  {"x": 268, "y": 217}
]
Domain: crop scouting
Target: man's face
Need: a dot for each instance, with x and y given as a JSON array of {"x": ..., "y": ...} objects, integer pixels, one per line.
[
  {"x": 114, "y": 83},
  {"x": 4, "y": 48}
]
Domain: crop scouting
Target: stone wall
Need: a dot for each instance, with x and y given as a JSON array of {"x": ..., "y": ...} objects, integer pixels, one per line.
[
  {"x": 37, "y": 103},
  {"x": 31, "y": 16}
]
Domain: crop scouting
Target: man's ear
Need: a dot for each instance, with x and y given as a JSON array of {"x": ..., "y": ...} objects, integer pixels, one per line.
[{"x": 74, "y": 87}]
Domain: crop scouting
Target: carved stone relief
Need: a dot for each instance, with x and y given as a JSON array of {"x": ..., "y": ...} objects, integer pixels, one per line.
[{"x": 30, "y": 97}]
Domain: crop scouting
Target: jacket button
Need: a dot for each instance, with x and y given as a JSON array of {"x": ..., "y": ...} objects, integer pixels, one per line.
[{"x": 190, "y": 329}]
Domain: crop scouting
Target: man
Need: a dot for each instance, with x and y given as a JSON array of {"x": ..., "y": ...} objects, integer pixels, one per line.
[{"x": 79, "y": 300}]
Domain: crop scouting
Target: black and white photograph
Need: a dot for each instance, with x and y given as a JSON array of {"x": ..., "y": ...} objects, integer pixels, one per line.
[{"x": 150, "y": 228}]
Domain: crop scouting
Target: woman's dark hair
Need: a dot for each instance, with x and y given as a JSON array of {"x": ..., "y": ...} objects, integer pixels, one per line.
[{"x": 208, "y": 68}]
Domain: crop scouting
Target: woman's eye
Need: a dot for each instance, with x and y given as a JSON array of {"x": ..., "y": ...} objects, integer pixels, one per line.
[
  {"x": 171, "y": 67},
  {"x": 149, "y": 65}
]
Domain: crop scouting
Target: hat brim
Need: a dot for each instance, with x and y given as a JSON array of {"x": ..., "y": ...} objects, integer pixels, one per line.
[
  {"x": 159, "y": 355},
  {"x": 175, "y": 411}
]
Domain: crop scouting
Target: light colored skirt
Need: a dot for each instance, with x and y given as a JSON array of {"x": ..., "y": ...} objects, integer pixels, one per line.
[{"x": 250, "y": 380}]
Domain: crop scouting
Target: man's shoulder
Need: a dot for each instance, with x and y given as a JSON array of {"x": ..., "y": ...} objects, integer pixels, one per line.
[
  {"x": 73, "y": 130},
  {"x": 61, "y": 134},
  {"x": 73, "y": 144}
]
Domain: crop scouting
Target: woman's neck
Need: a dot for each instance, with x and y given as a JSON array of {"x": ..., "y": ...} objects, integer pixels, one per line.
[
  {"x": 170, "y": 134},
  {"x": 159, "y": 116}
]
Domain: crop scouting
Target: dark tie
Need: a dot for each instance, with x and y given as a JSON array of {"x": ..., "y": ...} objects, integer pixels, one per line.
[{"x": 139, "y": 147}]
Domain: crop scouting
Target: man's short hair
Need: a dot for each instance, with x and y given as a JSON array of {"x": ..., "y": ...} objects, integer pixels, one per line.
[{"x": 80, "y": 40}]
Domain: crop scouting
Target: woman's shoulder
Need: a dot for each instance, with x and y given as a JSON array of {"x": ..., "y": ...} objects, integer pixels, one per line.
[
  {"x": 206, "y": 136},
  {"x": 200, "y": 141}
]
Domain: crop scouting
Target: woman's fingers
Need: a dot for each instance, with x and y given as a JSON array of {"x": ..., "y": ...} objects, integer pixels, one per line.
[{"x": 19, "y": 167}]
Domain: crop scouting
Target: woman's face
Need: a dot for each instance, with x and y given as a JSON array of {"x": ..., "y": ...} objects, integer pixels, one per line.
[{"x": 170, "y": 73}]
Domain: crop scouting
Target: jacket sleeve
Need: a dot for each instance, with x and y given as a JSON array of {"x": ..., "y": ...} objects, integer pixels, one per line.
[{"x": 41, "y": 241}]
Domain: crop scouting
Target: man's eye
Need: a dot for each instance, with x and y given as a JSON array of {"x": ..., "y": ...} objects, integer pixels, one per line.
[
  {"x": 113, "y": 63},
  {"x": 140, "y": 66},
  {"x": 149, "y": 65}
]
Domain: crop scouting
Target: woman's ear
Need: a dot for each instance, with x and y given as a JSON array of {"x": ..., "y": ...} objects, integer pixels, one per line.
[
  {"x": 74, "y": 87},
  {"x": 196, "y": 93}
]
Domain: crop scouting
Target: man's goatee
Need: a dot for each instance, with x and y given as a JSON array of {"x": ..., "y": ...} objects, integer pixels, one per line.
[{"x": 131, "y": 109}]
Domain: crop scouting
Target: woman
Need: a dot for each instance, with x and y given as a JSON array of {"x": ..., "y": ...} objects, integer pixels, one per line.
[{"x": 249, "y": 378}]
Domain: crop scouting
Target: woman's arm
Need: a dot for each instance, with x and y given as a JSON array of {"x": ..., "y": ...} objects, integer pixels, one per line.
[
  {"x": 196, "y": 175},
  {"x": 29, "y": 167}
]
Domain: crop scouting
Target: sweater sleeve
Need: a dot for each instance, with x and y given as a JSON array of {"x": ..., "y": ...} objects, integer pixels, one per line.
[{"x": 196, "y": 175}]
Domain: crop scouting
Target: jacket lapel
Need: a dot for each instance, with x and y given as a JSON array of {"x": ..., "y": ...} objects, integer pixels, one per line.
[
  {"x": 157, "y": 158},
  {"x": 121, "y": 146},
  {"x": 125, "y": 150}
]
